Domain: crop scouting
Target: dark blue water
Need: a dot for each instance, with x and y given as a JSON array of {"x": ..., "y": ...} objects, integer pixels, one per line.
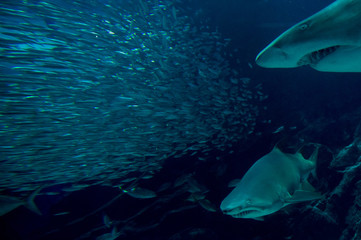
[{"x": 101, "y": 94}]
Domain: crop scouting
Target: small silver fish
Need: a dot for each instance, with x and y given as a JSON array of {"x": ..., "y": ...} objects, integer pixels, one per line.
[
  {"x": 141, "y": 193},
  {"x": 207, "y": 205}
]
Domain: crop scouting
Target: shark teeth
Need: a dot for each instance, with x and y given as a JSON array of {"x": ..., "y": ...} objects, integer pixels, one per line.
[
  {"x": 242, "y": 214},
  {"x": 316, "y": 56}
]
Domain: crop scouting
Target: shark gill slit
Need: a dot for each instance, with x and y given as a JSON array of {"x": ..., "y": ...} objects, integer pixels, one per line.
[{"x": 314, "y": 57}]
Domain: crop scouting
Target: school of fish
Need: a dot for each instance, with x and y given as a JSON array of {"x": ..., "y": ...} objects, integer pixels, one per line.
[{"x": 96, "y": 90}]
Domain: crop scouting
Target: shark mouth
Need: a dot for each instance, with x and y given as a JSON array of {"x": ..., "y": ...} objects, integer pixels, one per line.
[
  {"x": 315, "y": 57},
  {"x": 242, "y": 214}
]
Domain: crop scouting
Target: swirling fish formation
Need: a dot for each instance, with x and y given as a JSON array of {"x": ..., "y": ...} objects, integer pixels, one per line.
[{"x": 95, "y": 90}]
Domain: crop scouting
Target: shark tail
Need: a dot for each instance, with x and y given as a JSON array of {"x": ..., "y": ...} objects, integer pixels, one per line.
[
  {"x": 30, "y": 204},
  {"x": 313, "y": 158}
]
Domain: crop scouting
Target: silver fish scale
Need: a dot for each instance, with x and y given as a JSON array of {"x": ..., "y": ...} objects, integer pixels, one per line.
[{"x": 94, "y": 91}]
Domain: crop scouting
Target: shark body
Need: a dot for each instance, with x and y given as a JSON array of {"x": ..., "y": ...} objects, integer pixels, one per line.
[
  {"x": 329, "y": 41},
  {"x": 274, "y": 181}
]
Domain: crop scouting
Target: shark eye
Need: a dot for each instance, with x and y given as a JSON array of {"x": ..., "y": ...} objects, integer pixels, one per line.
[{"x": 303, "y": 26}]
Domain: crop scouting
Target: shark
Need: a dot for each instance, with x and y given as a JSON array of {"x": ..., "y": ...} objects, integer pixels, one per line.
[
  {"x": 273, "y": 182},
  {"x": 328, "y": 41}
]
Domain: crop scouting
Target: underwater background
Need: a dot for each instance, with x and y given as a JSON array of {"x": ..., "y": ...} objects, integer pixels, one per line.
[{"x": 130, "y": 117}]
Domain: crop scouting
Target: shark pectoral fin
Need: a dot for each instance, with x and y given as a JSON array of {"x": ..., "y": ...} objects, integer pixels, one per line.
[
  {"x": 306, "y": 193},
  {"x": 258, "y": 218},
  {"x": 302, "y": 196}
]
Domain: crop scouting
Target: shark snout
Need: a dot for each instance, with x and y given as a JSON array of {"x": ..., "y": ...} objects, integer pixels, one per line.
[
  {"x": 229, "y": 208},
  {"x": 227, "y": 211},
  {"x": 273, "y": 57}
]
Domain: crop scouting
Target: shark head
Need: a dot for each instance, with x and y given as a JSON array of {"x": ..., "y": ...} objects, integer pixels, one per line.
[
  {"x": 330, "y": 40},
  {"x": 274, "y": 181}
]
